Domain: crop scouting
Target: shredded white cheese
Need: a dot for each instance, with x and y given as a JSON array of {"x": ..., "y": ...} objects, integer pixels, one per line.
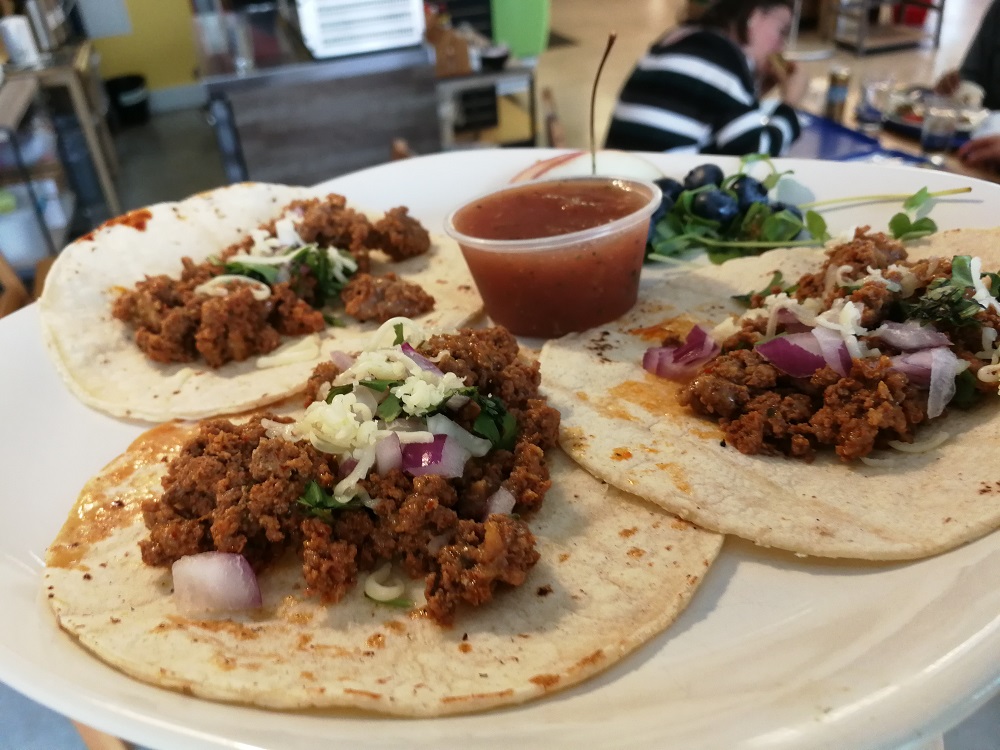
[
  {"x": 922, "y": 446},
  {"x": 382, "y": 586},
  {"x": 844, "y": 317},
  {"x": 303, "y": 350},
  {"x": 982, "y": 295},
  {"x": 221, "y": 285}
]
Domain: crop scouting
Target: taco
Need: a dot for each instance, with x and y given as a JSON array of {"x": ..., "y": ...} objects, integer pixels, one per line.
[
  {"x": 225, "y": 301},
  {"x": 513, "y": 572},
  {"x": 844, "y": 417}
]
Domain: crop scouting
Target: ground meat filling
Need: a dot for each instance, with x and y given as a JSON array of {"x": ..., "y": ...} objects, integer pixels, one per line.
[
  {"x": 234, "y": 489},
  {"x": 379, "y": 298},
  {"x": 762, "y": 410},
  {"x": 174, "y": 323}
]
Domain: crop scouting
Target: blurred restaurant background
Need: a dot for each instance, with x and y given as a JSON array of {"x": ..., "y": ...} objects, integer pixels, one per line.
[{"x": 109, "y": 105}]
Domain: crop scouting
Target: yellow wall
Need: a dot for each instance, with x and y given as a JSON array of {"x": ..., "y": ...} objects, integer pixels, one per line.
[{"x": 160, "y": 47}]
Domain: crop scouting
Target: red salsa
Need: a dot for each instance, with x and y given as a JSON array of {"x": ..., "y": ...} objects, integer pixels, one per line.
[{"x": 573, "y": 287}]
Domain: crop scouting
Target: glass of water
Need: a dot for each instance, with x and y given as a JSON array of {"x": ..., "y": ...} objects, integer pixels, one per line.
[
  {"x": 873, "y": 102},
  {"x": 938, "y": 129}
]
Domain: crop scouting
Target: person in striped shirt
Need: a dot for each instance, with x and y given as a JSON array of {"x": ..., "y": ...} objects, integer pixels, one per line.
[{"x": 698, "y": 88}]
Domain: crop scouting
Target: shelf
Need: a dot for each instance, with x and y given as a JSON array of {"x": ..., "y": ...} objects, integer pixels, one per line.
[
  {"x": 16, "y": 96},
  {"x": 854, "y": 29}
]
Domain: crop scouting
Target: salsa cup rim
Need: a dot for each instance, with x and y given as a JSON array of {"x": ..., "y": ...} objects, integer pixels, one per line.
[{"x": 558, "y": 241}]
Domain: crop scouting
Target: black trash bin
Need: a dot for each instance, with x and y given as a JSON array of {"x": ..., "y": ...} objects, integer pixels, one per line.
[{"x": 129, "y": 99}]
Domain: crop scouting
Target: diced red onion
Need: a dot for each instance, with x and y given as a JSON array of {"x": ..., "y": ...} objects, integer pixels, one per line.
[
  {"x": 943, "y": 371},
  {"x": 214, "y": 582},
  {"x": 797, "y": 354},
  {"x": 679, "y": 362},
  {"x": 439, "y": 424},
  {"x": 833, "y": 349},
  {"x": 367, "y": 397},
  {"x": 422, "y": 362},
  {"x": 343, "y": 360},
  {"x": 502, "y": 501},
  {"x": 791, "y": 321},
  {"x": 915, "y": 365},
  {"x": 444, "y": 456},
  {"x": 346, "y": 467},
  {"x": 388, "y": 454},
  {"x": 910, "y": 336}
]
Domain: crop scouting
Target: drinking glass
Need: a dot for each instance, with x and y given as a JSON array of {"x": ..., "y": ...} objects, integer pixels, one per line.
[
  {"x": 873, "y": 102},
  {"x": 938, "y": 129}
]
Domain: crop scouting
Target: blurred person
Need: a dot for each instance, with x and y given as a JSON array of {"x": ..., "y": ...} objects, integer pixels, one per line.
[
  {"x": 981, "y": 152},
  {"x": 699, "y": 87},
  {"x": 982, "y": 61}
]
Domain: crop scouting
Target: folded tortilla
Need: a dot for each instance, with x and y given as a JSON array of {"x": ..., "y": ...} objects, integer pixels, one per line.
[
  {"x": 614, "y": 572},
  {"x": 96, "y": 354},
  {"x": 626, "y": 427}
]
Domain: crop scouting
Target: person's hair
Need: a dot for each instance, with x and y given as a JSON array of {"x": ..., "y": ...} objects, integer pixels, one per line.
[{"x": 733, "y": 16}]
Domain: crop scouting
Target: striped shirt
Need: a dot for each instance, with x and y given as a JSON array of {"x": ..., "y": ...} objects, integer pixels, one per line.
[{"x": 694, "y": 91}]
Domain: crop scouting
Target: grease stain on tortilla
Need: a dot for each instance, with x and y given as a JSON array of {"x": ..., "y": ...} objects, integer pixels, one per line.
[
  {"x": 658, "y": 396},
  {"x": 667, "y": 328},
  {"x": 636, "y": 552},
  {"x": 545, "y": 681},
  {"x": 376, "y": 640},
  {"x": 563, "y": 557},
  {"x": 465, "y": 647},
  {"x": 137, "y": 220},
  {"x": 307, "y": 676},
  {"x": 94, "y": 517},
  {"x": 677, "y": 476},
  {"x": 621, "y": 454},
  {"x": 395, "y": 626},
  {"x": 626, "y": 533}
]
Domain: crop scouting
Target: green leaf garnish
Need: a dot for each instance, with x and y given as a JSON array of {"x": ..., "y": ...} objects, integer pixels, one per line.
[
  {"x": 333, "y": 321},
  {"x": 323, "y": 505},
  {"x": 899, "y": 225},
  {"x": 398, "y": 328},
  {"x": 816, "y": 225},
  {"x": 918, "y": 199}
]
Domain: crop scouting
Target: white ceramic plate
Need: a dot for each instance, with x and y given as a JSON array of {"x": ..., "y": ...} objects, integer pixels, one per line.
[{"x": 775, "y": 652}]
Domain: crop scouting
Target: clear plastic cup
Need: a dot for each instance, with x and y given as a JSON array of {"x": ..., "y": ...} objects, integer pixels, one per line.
[{"x": 543, "y": 283}]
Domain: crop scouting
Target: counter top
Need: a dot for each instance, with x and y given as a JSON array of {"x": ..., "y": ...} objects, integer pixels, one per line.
[{"x": 257, "y": 48}]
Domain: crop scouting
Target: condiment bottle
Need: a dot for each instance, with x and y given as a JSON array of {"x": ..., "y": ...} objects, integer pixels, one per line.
[{"x": 836, "y": 93}]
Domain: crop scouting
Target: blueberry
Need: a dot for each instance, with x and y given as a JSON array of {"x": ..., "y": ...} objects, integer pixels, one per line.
[
  {"x": 671, "y": 188},
  {"x": 715, "y": 205},
  {"x": 706, "y": 174},
  {"x": 748, "y": 191},
  {"x": 777, "y": 206},
  {"x": 665, "y": 205}
]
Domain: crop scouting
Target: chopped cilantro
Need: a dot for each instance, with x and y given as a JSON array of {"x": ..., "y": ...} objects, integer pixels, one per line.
[
  {"x": 400, "y": 601},
  {"x": 776, "y": 282},
  {"x": 322, "y": 504},
  {"x": 338, "y": 390},
  {"x": 967, "y": 394},
  {"x": 398, "y": 328},
  {"x": 494, "y": 422},
  {"x": 390, "y": 408},
  {"x": 260, "y": 272},
  {"x": 947, "y": 300},
  {"x": 380, "y": 385}
]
